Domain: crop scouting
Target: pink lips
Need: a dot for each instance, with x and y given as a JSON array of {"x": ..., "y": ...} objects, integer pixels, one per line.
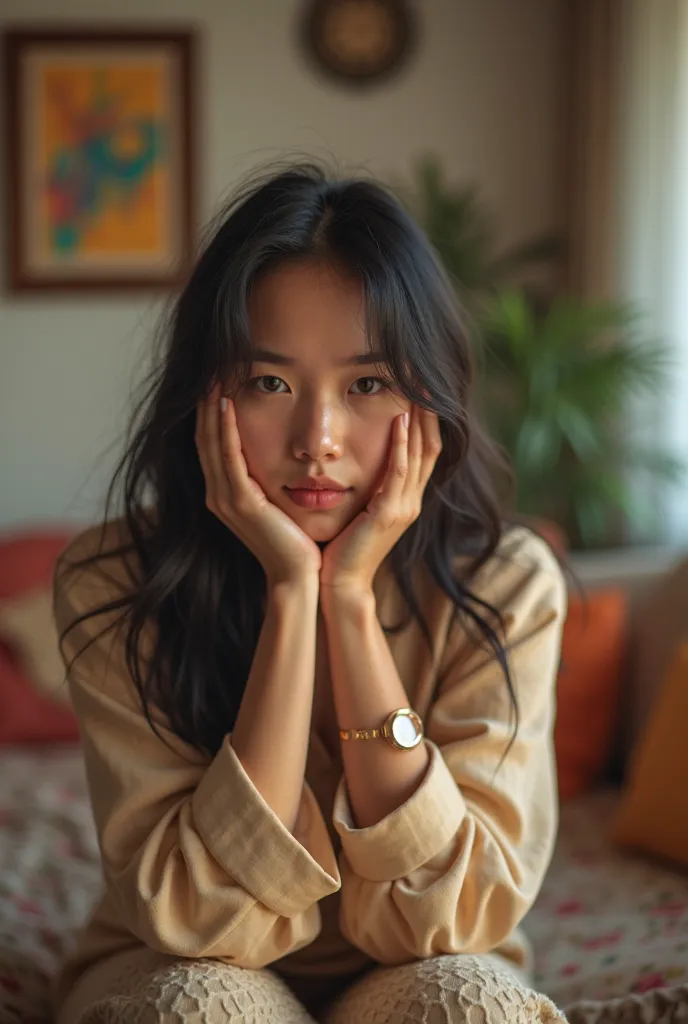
[{"x": 317, "y": 497}]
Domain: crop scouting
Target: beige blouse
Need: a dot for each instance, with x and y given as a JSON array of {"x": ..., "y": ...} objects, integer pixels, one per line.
[{"x": 196, "y": 864}]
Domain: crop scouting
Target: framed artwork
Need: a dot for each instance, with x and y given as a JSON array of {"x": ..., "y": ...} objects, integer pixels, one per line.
[{"x": 100, "y": 182}]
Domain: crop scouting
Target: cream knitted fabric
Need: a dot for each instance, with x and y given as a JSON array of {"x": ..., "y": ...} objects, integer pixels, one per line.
[{"x": 145, "y": 987}]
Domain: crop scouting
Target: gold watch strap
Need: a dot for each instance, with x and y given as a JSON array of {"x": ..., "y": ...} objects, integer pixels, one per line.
[
  {"x": 360, "y": 734},
  {"x": 384, "y": 730}
]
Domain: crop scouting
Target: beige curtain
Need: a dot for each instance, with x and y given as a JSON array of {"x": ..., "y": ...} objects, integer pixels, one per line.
[{"x": 589, "y": 142}]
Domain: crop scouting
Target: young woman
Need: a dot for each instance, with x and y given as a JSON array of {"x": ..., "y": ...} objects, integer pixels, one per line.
[{"x": 315, "y": 674}]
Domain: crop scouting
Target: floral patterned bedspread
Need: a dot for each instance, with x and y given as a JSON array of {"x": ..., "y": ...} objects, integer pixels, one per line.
[
  {"x": 605, "y": 924},
  {"x": 49, "y": 871}
]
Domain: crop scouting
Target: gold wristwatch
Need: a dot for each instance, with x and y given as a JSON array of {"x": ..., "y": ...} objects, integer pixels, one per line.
[{"x": 403, "y": 729}]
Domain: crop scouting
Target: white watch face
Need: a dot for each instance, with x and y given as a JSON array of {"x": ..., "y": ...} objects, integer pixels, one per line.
[{"x": 404, "y": 731}]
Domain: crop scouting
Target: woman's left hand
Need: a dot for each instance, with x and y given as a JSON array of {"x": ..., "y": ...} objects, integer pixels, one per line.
[{"x": 351, "y": 560}]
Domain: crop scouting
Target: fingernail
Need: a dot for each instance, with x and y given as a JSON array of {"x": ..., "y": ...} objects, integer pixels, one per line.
[
  {"x": 223, "y": 404},
  {"x": 406, "y": 419}
]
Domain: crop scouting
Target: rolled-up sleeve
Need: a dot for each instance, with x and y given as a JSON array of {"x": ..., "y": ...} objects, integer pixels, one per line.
[
  {"x": 456, "y": 867},
  {"x": 198, "y": 862}
]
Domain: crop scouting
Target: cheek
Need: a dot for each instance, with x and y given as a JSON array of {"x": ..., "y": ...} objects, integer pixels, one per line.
[
  {"x": 257, "y": 433},
  {"x": 370, "y": 441}
]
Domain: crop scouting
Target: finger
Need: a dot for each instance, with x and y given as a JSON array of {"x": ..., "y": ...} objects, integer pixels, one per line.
[
  {"x": 432, "y": 444},
  {"x": 236, "y": 480},
  {"x": 397, "y": 467},
  {"x": 202, "y": 412},
  {"x": 233, "y": 458},
  {"x": 416, "y": 442},
  {"x": 211, "y": 441}
]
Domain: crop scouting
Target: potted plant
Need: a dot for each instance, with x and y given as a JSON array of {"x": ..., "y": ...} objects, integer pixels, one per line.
[
  {"x": 557, "y": 375},
  {"x": 463, "y": 233},
  {"x": 557, "y": 388}
]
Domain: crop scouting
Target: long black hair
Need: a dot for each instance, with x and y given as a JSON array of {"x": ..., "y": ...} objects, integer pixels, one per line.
[{"x": 196, "y": 581}]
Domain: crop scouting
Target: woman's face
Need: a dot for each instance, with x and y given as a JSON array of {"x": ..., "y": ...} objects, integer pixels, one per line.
[{"x": 314, "y": 407}]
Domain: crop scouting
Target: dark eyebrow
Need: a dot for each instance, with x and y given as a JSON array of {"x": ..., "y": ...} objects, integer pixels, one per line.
[{"x": 264, "y": 355}]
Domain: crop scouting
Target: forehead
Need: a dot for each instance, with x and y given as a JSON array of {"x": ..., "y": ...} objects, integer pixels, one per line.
[{"x": 311, "y": 311}]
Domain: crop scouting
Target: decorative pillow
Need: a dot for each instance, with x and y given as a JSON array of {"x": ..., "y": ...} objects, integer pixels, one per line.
[
  {"x": 28, "y": 716},
  {"x": 653, "y": 816},
  {"x": 657, "y": 631},
  {"x": 28, "y": 626},
  {"x": 588, "y": 688},
  {"x": 27, "y": 640},
  {"x": 28, "y": 557}
]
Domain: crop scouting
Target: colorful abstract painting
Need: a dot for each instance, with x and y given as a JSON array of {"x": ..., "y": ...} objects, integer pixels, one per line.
[{"x": 101, "y": 147}]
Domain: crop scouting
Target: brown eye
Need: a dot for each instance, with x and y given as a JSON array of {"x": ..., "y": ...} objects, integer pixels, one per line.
[
  {"x": 371, "y": 385},
  {"x": 271, "y": 385}
]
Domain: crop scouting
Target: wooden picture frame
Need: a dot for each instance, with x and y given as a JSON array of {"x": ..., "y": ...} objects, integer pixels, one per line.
[{"x": 99, "y": 127}]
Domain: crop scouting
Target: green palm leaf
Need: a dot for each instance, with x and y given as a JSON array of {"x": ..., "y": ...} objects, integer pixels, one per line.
[
  {"x": 559, "y": 377},
  {"x": 557, "y": 387}
]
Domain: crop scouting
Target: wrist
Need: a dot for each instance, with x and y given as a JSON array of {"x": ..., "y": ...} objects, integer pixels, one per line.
[
  {"x": 300, "y": 588},
  {"x": 348, "y": 599}
]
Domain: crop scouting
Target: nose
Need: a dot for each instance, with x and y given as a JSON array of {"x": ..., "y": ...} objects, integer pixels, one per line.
[{"x": 317, "y": 432}]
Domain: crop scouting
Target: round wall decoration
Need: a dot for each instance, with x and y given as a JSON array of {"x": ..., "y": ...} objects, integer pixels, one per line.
[{"x": 358, "y": 41}]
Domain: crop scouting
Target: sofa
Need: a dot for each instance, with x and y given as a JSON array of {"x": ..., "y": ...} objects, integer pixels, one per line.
[
  {"x": 610, "y": 925},
  {"x": 609, "y": 928}
]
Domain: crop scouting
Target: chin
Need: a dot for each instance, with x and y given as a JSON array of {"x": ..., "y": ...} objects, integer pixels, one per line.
[
  {"x": 321, "y": 532},
  {"x": 321, "y": 527}
]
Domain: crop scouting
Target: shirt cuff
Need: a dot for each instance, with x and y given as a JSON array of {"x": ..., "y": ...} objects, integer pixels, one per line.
[
  {"x": 411, "y": 834},
  {"x": 250, "y": 842}
]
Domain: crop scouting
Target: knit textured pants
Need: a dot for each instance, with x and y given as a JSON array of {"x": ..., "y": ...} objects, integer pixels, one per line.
[{"x": 145, "y": 987}]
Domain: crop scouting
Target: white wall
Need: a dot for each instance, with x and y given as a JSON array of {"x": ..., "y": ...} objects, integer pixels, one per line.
[{"x": 481, "y": 92}]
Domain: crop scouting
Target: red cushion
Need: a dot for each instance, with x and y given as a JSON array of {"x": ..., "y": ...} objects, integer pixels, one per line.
[
  {"x": 27, "y": 560},
  {"x": 28, "y": 556},
  {"x": 27, "y": 715}
]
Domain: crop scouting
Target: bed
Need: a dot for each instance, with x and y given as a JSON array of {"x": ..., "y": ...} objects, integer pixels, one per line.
[{"x": 605, "y": 924}]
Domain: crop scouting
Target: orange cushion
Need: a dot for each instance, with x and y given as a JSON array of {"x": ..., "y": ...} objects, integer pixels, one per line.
[
  {"x": 653, "y": 816},
  {"x": 588, "y": 688},
  {"x": 27, "y": 563}
]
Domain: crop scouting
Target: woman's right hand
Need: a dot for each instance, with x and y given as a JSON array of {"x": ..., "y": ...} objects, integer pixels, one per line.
[{"x": 286, "y": 553}]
